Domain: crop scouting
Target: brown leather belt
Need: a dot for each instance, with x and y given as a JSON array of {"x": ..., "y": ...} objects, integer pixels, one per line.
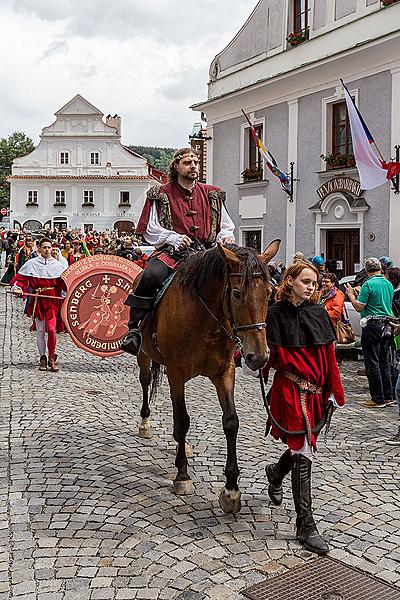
[
  {"x": 305, "y": 387},
  {"x": 38, "y": 290}
]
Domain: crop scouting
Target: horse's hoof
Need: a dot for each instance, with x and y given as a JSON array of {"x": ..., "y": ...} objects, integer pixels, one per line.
[
  {"x": 145, "y": 429},
  {"x": 229, "y": 501},
  {"x": 183, "y": 488}
]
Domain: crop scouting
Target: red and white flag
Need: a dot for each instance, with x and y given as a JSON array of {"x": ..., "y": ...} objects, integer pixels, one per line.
[{"x": 370, "y": 169}]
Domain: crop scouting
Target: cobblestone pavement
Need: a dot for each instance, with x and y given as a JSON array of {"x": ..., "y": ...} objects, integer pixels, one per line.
[{"x": 87, "y": 508}]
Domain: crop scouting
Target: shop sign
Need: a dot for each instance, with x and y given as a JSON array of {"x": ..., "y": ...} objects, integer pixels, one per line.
[{"x": 340, "y": 184}]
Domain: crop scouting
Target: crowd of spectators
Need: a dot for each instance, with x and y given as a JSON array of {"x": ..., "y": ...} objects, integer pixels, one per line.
[
  {"x": 375, "y": 294},
  {"x": 69, "y": 245}
]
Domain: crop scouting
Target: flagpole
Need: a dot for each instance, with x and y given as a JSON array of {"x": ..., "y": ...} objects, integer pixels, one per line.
[{"x": 247, "y": 118}]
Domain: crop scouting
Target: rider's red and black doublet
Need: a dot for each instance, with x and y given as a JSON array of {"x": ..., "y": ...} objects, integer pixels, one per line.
[
  {"x": 301, "y": 342},
  {"x": 195, "y": 213}
]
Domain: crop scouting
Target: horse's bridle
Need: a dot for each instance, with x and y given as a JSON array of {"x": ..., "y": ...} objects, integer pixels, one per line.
[{"x": 235, "y": 328}]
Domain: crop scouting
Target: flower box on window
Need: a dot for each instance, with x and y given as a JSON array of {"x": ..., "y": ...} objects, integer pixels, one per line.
[
  {"x": 298, "y": 37},
  {"x": 389, "y": 2},
  {"x": 252, "y": 175},
  {"x": 337, "y": 161}
]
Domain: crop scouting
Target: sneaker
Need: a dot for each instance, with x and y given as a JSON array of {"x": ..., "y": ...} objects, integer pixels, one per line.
[
  {"x": 395, "y": 440},
  {"x": 390, "y": 402},
  {"x": 372, "y": 404}
]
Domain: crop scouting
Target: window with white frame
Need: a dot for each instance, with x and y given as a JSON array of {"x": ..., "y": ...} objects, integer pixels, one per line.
[
  {"x": 124, "y": 197},
  {"x": 252, "y": 238},
  {"x": 88, "y": 197},
  {"x": 301, "y": 14},
  {"x": 32, "y": 197},
  {"x": 64, "y": 158},
  {"x": 95, "y": 158},
  {"x": 337, "y": 147},
  {"x": 253, "y": 162},
  {"x": 60, "y": 197}
]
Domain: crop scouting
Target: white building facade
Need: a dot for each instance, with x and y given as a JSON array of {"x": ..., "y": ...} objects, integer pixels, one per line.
[
  {"x": 80, "y": 175},
  {"x": 291, "y": 90}
]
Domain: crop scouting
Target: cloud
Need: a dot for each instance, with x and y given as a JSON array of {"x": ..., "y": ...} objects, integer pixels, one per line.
[
  {"x": 146, "y": 61},
  {"x": 181, "y": 86},
  {"x": 171, "y": 20},
  {"x": 56, "y": 47}
]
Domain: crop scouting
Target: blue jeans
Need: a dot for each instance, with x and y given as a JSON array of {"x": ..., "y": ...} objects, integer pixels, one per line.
[{"x": 377, "y": 365}]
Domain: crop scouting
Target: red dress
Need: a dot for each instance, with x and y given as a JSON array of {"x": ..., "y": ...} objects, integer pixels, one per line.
[
  {"x": 301, "y": 341},
  {"x": 316, "y": 364}
]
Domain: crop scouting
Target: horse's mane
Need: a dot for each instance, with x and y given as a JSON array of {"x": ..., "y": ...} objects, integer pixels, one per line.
[{"x": 199, "y": 271}]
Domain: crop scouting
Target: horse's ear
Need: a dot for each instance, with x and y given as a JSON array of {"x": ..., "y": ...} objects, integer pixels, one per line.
[
  {"x": 271, "y": 250},
  {"x": 228, "y": 256}
]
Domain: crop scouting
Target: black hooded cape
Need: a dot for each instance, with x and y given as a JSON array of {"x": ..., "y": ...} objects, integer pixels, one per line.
[{"x": 299, "y": 326}]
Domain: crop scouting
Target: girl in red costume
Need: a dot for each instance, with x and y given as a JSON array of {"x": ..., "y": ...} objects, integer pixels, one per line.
[
  {"x": 306, "y": 382},
  {"x": 41, "y": 276}
]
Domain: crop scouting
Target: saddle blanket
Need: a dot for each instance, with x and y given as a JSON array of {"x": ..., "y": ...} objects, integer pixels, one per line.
[{"x": 163, "y": 289}]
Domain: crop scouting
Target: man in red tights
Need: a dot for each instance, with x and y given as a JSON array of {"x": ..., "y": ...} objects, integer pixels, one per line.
[{"x": 41, "y": 276}]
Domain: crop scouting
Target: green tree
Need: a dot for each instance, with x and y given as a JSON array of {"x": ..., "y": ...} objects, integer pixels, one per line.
[
  {"x": 155, "y": 156},
  {"x": 17, "y": 144}
]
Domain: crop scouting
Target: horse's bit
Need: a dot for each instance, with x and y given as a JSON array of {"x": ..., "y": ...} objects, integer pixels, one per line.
[{"x": 235, "y": 328}]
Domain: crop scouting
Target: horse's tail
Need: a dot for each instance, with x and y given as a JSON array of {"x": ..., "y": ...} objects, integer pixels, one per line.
[{"x": 156, "y": 373}]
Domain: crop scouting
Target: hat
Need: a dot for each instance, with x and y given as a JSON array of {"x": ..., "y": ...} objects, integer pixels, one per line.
[
  {"x": 317, "y": 260},
  {"x": 373, "y": 264},
  {"x": 386, "y": 261}
]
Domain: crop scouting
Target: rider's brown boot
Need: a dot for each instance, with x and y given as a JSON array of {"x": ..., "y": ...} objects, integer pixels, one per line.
[{"x": 53, "y": 363}]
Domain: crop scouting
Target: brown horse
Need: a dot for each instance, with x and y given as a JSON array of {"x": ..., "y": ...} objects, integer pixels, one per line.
[{"x": 217, "y": 300}]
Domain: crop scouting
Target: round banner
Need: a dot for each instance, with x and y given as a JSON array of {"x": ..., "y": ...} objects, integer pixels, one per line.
[{"x": 94, "y": 310}]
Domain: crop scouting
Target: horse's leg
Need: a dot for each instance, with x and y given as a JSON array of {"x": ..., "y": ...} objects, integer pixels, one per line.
[
  {"x": 145, "y": 430},
  {"x": 229, "y": 499},
  {"x": 182, "y": 483}
]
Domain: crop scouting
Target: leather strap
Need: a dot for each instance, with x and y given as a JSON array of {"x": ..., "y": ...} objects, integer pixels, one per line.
[{"x": 305, "y": 387}]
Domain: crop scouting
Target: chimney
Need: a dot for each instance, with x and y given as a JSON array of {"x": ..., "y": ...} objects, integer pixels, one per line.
[{"x": 114, "y": 121}]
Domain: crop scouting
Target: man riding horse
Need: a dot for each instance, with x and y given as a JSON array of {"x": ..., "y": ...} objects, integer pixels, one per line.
[{"x": 177, "y": 218}]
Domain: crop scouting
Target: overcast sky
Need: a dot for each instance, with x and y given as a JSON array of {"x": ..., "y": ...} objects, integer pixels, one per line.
[{"x": 145, "y": 60}]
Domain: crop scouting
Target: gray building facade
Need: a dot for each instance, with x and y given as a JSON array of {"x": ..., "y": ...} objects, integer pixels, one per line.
[{"x": 284, "y": 69}]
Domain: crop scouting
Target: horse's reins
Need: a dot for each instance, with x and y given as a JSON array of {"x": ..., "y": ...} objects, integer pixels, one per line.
[{"x": 235, "y": 328}]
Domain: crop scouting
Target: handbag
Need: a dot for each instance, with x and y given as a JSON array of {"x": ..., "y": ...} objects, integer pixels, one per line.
[{"x": 344, "y": 330}]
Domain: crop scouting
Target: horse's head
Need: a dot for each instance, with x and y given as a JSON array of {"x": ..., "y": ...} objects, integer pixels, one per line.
[{"x": 247, "y": 293}]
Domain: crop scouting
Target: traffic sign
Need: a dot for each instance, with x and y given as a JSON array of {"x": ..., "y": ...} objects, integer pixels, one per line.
[{"x": 3, "y": 211}]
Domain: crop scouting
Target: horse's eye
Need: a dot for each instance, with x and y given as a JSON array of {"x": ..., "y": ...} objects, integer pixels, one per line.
[{"x": 236, "y": 294}]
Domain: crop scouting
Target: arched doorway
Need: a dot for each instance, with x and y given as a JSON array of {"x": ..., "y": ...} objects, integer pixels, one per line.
[
  {"x": 32, "y": 225},
  {"x": 339, "y": 230},
  {"x": 124, "y": 227}
]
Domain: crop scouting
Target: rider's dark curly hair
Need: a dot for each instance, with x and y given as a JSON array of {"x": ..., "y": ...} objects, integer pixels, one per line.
[{"x": 178, "y": 155}]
